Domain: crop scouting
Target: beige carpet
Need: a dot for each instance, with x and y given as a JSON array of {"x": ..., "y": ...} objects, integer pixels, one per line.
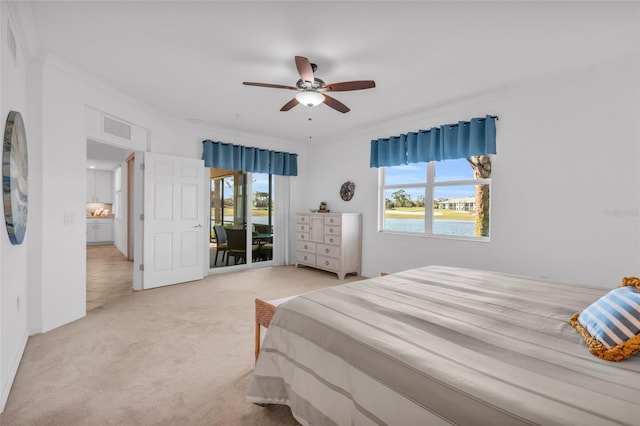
[{"x": 178, "y": 355}]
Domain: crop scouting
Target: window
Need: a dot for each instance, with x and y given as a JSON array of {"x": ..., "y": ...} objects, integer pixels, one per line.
[{"x": 446, "y": 198}]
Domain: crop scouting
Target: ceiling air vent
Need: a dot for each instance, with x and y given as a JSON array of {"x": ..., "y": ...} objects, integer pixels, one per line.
[
  {"x": 116, "y": 128},
  {"x": 13, "y": 48}
]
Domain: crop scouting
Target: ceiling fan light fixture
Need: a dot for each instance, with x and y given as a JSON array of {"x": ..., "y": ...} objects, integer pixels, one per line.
[{"x": 310, "y": 98}]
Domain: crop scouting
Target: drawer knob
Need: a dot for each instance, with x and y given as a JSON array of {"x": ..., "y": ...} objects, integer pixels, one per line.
[
  {"x": 326, "y": 262},
  {"x": 331, "y": 220},
  {"x": 306, "y": 246},
  {"x": 302, "y": 227},
  {"x": 326, "y": 250},
  {"x": 330, "y": 240},
  {"x": 305, "y": 258},
  {"x": 331, "y": 230}
]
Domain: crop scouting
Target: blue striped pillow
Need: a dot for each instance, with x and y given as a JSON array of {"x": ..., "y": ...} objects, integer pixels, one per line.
[{"x": 614, "y": 318}]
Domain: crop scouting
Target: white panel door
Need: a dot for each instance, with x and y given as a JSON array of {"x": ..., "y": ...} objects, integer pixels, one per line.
[{"x": 174, "y": 203}]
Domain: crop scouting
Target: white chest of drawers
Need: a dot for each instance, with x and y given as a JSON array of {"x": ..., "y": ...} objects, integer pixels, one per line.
[{"x": 329, "y": 241}]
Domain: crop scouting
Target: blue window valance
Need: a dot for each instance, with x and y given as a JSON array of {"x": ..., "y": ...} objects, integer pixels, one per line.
[
  {"x": 447, "y": 142},
  {"x": 221, "y": 155}
]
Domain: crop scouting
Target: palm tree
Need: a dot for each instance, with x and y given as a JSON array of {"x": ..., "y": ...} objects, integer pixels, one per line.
[{"x": 481, "y": 165}]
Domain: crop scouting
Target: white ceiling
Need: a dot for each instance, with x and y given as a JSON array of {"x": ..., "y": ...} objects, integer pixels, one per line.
[{"x": 188, "y": 59}]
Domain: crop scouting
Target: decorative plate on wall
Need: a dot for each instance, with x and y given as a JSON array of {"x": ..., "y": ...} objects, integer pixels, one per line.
[
  {"x": 347, "y": 190},
  {"x": 15, "y": 174}
]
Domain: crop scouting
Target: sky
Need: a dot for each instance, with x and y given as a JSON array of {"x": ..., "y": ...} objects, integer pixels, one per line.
[
  {"x": 260, "y": 182},
  {"x": 448, "y": 170}
]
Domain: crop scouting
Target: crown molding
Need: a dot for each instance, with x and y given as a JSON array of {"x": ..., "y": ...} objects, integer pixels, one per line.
[
  {"x": 98, "y": 84},
  {"x": 239, "y": 134},
  {"x": 24, "y": 28}
]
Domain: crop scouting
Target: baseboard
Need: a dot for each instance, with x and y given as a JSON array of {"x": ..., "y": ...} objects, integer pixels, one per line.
[{"x": 6, "y": 387}]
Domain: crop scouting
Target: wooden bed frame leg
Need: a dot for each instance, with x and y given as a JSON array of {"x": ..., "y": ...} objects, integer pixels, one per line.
[{"x": 257, "y": 340}]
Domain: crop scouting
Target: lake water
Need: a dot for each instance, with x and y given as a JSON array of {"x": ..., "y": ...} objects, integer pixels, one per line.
[{"x": 444, "y": 227}]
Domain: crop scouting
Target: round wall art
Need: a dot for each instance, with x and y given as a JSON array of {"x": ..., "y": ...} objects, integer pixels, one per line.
[
  {"x": 347, "y": 190},
  {"x": 15, "y": 174}
]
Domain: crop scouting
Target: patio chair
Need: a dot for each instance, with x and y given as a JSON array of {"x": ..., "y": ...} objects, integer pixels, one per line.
[
  {"x": 237, "y": 246},
  {"x": 221, "y": 242}
]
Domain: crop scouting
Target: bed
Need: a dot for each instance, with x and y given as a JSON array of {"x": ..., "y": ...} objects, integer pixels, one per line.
[{"x": 442, "y": 345}]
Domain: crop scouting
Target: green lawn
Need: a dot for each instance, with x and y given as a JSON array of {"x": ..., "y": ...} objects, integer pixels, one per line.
[
  {"x": 418, "y": 213},
  {"x": 260, "y": 212}
]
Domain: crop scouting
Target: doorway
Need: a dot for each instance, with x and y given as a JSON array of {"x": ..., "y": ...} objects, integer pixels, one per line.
[
  {"x": 241, "y": 226},
  {"x": 109, "y": 273}
]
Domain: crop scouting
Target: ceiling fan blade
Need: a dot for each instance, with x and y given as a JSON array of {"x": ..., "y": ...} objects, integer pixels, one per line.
[
  {"x": 350, "y": 85},
  {"x": 293, "y": 102},
  {"x": 275, "y": 86},
  {"x": 304, "y": 69},
  {"x": 335, "y": 104}
]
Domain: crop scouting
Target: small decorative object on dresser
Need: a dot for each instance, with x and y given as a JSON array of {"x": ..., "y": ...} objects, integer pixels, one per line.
[{"x": 329, "y": 241}]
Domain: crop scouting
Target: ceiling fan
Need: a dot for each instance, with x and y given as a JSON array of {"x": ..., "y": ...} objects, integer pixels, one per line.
[{"x": 312, "y": 90}]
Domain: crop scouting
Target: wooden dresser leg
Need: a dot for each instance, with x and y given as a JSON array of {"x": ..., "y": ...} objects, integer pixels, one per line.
[{"x": 257, "y": 340}]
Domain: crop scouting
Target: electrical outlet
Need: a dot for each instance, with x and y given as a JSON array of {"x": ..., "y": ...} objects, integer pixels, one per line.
[{"x": 18, "y": 303}]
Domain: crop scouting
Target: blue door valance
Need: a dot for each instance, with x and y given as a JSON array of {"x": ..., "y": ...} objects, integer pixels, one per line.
[
  {"x": 221, "y": 155},
  {"x": 450, "y": 141}
]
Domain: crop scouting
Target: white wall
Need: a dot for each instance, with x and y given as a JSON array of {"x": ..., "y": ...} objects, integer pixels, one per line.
[
  {"x": 63, "y": 147},
  {"x": 567, "y": 151},
  {"x": 567, "y": 157},
  {"x": 552, "y": 120},
  {"x": 65, "y": 94},
  {"x": 13, "y": 259}
]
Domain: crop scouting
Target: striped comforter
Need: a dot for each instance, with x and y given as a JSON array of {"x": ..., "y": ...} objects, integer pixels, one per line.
[{"x": 442, "y": 345}]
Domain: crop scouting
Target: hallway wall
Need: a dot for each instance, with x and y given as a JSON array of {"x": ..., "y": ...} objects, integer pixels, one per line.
[{"x": 14, "y": 260}]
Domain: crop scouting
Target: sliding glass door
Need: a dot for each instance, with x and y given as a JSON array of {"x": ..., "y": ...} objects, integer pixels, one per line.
[
  {"x": 262, "y": 210},
  {"x": 235, "y": 226}
]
